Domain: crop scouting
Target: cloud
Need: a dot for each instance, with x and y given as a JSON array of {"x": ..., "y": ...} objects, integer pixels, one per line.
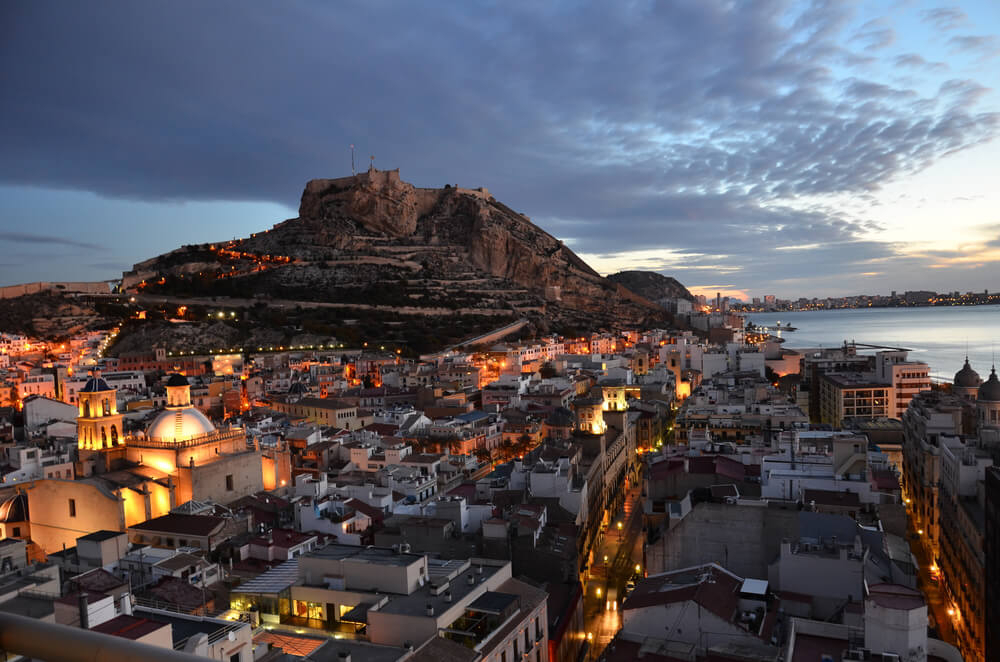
[
  {"x": 696, "y": 128},
  {"x": 986, "y": 46},
  {"x": 51, "y": 240},
  {"x": 874, "y": 35},
  {"x": 945, "y": 18},
  {"x": 914, "y": 61}
]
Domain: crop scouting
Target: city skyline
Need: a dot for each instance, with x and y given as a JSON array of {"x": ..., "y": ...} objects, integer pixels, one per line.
[{"x": 788, "y": 148}]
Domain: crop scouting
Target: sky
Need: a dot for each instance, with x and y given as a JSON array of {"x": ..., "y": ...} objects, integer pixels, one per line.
[{"x": 820, "y": 148}]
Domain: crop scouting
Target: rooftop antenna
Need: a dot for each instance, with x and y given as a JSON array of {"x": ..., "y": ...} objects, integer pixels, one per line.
[
  {"x": 371, "y": 168},
  {"x": 353, "y": 171}
]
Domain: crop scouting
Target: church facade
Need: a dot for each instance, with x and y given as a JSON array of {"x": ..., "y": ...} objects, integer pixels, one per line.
[{"x": 130, "y": 478}]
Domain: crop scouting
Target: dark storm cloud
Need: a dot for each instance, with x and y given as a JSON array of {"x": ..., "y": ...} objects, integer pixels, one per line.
[
  {"x": 681, "y": 125},
  {"x": 47, "y": 240}
]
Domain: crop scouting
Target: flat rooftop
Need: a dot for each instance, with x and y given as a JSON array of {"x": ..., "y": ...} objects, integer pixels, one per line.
[
  {"x": 185, "y": 627},
  {"x": 28, "y": 606},
  {"x": 358, "y": 650},
  {"x": 381, "y": 555},
  {"x": 458, "y": 571}
]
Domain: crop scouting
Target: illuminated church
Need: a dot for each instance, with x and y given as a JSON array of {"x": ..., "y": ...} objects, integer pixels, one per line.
[
  {"x": 125, "y": 479},
  {"x": 181, "y": 450}
]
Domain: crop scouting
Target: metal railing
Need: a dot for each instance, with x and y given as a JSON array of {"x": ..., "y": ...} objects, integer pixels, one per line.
[{"x": 61, "y": 643}]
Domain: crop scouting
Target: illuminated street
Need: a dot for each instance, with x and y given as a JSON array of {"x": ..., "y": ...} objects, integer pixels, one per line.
[{"x": 606, "y": 583}]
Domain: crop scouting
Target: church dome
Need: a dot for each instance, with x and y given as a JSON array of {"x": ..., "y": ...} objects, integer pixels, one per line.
[
  {"x": 177, "y": 380},
  {"x": 179, "y": 425},
  {"x": 94, "y": 385},
  {"x": 990, "y": 390},
  {"x": 967, "y": 377}
]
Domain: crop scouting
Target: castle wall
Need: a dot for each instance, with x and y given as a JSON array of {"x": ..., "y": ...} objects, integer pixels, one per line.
[{"x": 12, "y": 291}]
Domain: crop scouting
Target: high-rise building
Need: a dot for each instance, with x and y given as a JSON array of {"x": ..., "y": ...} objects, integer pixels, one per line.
[{"x": 992, "y": 547}]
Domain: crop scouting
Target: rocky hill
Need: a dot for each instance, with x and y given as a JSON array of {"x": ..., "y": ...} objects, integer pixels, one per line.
[
  {"x": 651, "y": 285},
  {"x": 374, "y": 245},
  {"x": 51, "y": 316}
]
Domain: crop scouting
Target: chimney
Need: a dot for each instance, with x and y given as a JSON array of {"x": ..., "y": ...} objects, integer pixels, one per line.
[
  {"x": 472, "y": 580},
  {"x": 127, "y": 604},
  {"x": 84, "y": 611},
  {"x": 430, "y": 609},
  {"x": 447, "y": 596},
  {"x": 479, "y": 570},
  {"x": 344, "y": 656}
]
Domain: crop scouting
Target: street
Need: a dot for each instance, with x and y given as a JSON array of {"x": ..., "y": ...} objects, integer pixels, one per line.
[
  {"x": 937, "y": 602},
  {"x": 605, "y": 585}
]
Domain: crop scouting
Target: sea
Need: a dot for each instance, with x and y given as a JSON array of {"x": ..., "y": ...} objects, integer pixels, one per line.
[{"x": 940, "y": 336}]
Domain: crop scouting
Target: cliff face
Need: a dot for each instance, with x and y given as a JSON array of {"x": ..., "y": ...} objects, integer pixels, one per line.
[
  {"x": 382, "y": 201},
  {"x": 374, "y": 239}
]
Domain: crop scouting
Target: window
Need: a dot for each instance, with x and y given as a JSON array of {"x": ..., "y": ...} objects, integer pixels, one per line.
[
  {"x": 503, "y": 656},
  {"x": 229, "y": 483},
  {"x": 72, "y": 507},
  {"x": 235, "y": 657},
  {"x": 17, "y": 531}
]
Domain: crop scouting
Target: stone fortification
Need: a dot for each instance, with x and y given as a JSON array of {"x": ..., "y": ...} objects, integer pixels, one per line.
[
  {"x": 12, "y": 291},
  {"x": 373, "y": 238}
]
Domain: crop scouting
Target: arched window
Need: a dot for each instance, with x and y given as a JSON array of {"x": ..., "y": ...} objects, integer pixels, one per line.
[
  {"x": 107, "y": 407},
  {"x": 104, "y": 438},
  {"x": 114, "y": 435},
  {"x": 86, "y": 409}
]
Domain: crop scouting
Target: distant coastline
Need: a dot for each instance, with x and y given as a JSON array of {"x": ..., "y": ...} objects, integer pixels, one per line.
[
  {"x": 941, "y": 336},
  {"x": 871, "y": 301}
]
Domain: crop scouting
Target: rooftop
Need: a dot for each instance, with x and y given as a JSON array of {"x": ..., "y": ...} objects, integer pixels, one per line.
[
  {"x": 456, "y": 572},
  {"x": 185, "y": 627},
  {"x": 100, "y": 536},
  {"x": 378, "y": 555},
  {"x": 832, "y": 498},
  {"x": 711, "y": 586},
  {"x": 194, "y": 525},
  {"x": 358, "y": 650},
  {"x": 26, "y": 605},
  {"x": 273, "y": 581},
  {"x": 129, "y": 627},
  {"x": 895, "y": 596}
]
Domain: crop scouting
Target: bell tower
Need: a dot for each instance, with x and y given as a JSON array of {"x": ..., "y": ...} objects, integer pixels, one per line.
[{"x": 99, "y": 424}]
